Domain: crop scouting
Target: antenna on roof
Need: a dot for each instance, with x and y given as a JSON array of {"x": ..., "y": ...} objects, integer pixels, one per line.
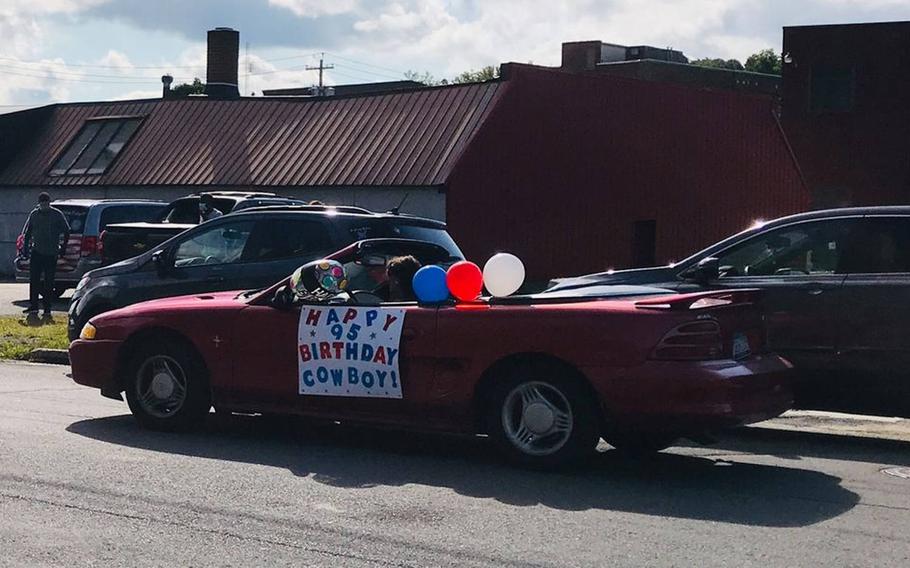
[{"x": 395, "y": 210}]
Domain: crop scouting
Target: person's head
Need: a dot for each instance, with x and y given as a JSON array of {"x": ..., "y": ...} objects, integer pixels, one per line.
[
  {"x": 206, "y": 203},
  {"x": 316, "y": 202},
  {"x": 44, "y": 200},
  {"x": 400, "y": 271}
]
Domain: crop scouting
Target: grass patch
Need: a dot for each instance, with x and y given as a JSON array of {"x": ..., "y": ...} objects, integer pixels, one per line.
[{"x": 19, "y": 335}]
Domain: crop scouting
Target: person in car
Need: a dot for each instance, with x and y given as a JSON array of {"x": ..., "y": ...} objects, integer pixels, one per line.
[
  {"x": 46, "y": 235},
  {"x": 400, "y": 271},
  {"x": 207, "y": 210}
]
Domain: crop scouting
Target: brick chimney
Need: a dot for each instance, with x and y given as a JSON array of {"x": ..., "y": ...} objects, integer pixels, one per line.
[{"x": 221, "y": 65}]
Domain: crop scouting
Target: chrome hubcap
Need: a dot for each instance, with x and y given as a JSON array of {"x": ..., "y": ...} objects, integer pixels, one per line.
[
  {"x": 161, "y": 386},
  {"x": 537, "y": 418}
]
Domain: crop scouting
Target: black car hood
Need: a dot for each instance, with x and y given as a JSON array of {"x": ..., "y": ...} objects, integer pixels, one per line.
[
  {"x": 633, "y": 276},
  {"x": 122, "y": 267}
]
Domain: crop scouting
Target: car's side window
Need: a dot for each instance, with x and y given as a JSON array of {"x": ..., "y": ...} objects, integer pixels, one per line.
[
  {"x": 275, "y": 239},
  {"x": 222, "y": 244},
  {"x": 810, "y": 248},
  {"x": 877, "y": 245}
]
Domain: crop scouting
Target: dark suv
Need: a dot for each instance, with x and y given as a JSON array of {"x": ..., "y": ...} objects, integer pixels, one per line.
[
  {"x": 245, "y": 250},
  {"x": 836, "y": 299}
]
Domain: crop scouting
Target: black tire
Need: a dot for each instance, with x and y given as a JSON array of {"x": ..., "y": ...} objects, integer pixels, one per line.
[
  {"x": 564, "y": 390},
  {"x": 184, "y": 409},
  {"x": 57, "y": 292},
  {"x": 640, "y": 443}
]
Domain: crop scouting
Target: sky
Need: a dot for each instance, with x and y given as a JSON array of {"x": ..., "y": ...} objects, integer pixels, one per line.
[{"x": 89, "y": 50}]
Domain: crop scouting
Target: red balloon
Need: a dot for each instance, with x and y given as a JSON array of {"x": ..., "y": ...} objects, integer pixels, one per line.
[{"x": 465, "y": 280}]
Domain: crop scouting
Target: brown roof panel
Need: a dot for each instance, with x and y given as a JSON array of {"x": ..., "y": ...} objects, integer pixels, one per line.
[{"x": 399, "y": 138}]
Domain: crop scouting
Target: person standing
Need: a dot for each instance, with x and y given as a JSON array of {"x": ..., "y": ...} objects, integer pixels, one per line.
[
  {"x": 207, "y": 210},
  {"x": 43, "y": 245}
]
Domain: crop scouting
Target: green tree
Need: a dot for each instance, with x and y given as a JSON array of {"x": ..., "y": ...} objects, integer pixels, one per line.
[
  {"x": 425, "y": 77},
  {"x": 765, "y": 61},
  {"x": 186, "y": 89},
  {"x": 718, "y": 63},
  {"x": 484, "y": 74}
]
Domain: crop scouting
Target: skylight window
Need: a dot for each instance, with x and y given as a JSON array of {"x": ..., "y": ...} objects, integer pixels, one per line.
[{"x": 95, "y": 146}]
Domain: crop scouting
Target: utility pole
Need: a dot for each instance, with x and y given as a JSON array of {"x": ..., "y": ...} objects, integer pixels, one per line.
[{"x": 322, "y": 66}]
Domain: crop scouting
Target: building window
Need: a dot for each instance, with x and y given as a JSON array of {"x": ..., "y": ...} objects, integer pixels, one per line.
[
  {"x": 95, "y": 146},
  {"x": 831, "y": 88}
]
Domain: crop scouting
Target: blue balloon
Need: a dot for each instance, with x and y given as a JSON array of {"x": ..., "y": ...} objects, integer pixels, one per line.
[{"x": 430, "y": 284}]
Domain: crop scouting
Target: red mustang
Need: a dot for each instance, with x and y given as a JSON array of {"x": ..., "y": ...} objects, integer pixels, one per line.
[{"x": 546, "y": 376}]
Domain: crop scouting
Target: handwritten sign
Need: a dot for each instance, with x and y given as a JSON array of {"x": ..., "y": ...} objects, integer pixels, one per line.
[{"x": 346, "y": 351}]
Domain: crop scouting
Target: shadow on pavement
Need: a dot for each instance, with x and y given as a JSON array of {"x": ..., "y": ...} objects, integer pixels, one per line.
[
  {"x": 59, "y": 305},
  {"x": 666, "y": 484},
  {"x": 796, "y": 445}
]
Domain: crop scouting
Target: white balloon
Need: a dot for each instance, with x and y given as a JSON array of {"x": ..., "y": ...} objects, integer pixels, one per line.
[{"x": 503, "y": 274}]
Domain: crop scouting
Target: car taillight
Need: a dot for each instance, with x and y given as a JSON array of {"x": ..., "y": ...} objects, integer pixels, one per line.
[
  {"x": 90, "y": 246},
  {"x": 693, "y": 341}
]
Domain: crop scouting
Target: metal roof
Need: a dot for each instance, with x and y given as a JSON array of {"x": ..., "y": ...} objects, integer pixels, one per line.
[{"x": 410, "y": 138}]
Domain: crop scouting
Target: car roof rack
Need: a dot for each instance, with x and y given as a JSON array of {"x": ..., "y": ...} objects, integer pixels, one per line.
[
  {"x": 236, "y": 193},
  {"x": 316, "y": 208}
]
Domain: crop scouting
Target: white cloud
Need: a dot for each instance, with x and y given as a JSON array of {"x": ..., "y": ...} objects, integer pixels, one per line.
[
  {"x": 117, "y": 60},
  {"x": 374, "y": 38},
  {"x": 316, "y": 8}
]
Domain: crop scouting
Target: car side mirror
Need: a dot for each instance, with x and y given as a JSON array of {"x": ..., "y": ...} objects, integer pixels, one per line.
[
  {"x": 162, "y": 261},
  {"x": 707, "y": 270},
  {"x": 283, "y": 299}
]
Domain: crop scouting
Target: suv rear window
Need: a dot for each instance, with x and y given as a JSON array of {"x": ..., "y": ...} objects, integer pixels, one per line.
[
  {"x": 395, "y": 229},
  {"x": 75, "y": 216}
]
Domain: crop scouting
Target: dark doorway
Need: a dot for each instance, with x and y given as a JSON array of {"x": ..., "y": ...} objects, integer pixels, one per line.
[{"x": 644, "y": 243}]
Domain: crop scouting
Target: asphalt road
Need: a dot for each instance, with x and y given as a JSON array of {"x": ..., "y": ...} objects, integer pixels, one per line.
[{"x": 82, "y": 485}]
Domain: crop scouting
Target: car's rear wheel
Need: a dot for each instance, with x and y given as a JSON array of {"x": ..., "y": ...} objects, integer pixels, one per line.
[
  {"x": 167, "y": 387},
  {"x": 541, "y": 419}
]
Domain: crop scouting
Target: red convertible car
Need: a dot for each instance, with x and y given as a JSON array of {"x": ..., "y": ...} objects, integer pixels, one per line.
[{"x": 546, "y": 376}]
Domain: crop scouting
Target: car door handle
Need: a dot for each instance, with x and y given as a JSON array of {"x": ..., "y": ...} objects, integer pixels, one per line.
[
  {"x": 215, "y": 279},
  {"x": 816, "y": 288}
]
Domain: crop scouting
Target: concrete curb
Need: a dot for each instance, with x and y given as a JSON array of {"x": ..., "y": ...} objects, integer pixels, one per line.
[
  {"x": 53, "y": 356},
  {"x": 886, "y": 428}
]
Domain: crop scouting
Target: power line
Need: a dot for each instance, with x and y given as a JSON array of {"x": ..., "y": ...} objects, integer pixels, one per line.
[
  {"x": 365, "y": 64},
  {"x": 105, "y": 66},
  {"x": 80, "y": 74},
  {"x": 364, "y": 71},
  {"x": 76, "y": 80}
]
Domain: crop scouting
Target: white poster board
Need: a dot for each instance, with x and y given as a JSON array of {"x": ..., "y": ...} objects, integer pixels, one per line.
[{"x": 349, "y": 351}]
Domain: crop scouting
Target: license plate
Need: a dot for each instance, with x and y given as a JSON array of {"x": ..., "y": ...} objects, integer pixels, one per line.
[{"x": 741, "y": 348}]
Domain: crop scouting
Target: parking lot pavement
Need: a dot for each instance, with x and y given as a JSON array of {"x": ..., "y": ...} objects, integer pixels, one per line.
[
  {"x": 81, "y": 484},
  {"x": 14, "y": 299}
]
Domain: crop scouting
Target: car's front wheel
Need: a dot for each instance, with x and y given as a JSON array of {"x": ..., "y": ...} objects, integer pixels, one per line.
[
  {"x": 167, "y": 387},
  {"x": 542, "y": 420}
]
